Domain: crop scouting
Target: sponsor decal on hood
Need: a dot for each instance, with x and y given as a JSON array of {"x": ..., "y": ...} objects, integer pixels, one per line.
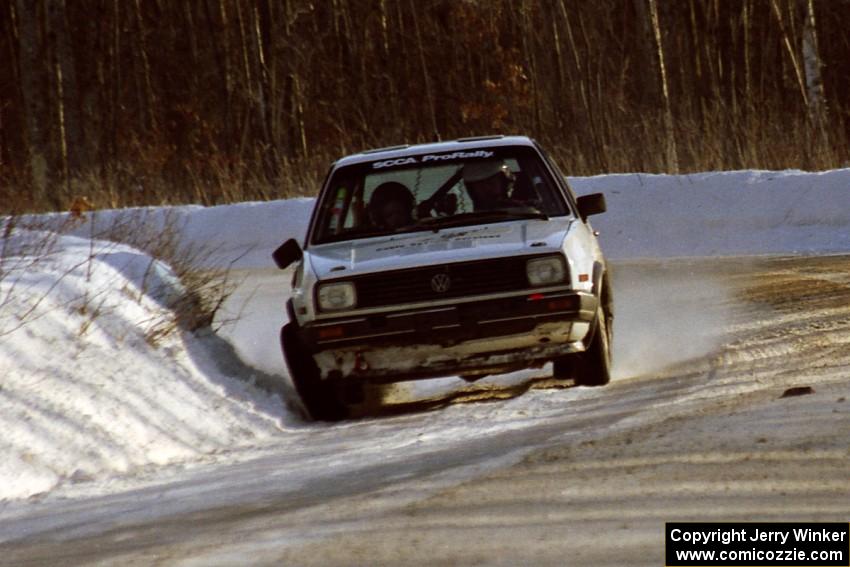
[
  {"x": 335, "y": 260},
  {"x": 460, "y": 236}
]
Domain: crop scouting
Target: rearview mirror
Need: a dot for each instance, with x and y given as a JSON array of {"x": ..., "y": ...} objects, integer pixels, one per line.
[
  {"x": 287, "y": 253},
  {"x": 592, "y": 204}
]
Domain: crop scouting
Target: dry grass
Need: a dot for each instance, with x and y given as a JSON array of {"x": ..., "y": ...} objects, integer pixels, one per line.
[
  {"x": 710, "y": 140},
  {"x": 204, "y": 288},
  {"x": 621, "y": 139},
  {"x": 714, "y": 138},
  {"x": 27, "y": 242}
]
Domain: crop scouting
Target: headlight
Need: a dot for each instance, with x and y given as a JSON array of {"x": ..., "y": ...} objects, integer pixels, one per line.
[
  {"x": 336, "y": 296},
  {"x": 546, "y": 271}
]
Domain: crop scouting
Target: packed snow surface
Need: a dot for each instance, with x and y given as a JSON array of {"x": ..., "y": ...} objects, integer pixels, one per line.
[
  {"x": 99, "y": 391},
  {"x": 96, "y": 379}
]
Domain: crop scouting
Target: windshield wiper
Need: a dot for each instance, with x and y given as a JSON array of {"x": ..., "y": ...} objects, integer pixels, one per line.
[
  {"x": 515, "y": 213},
  {"x": 495, "y": 215}
]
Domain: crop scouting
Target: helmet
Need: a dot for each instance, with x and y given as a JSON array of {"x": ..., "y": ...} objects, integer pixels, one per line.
[{"x": 480, "y": 170}]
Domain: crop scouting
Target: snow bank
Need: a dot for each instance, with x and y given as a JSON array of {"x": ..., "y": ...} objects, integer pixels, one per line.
[
  {"x": 652, "y": 216},
  {"x": 722, "y": 213},
  {"x": 649, "y": 216},
  {"x": 241, "y": 235},
  {"x": 245, "y": 234},
  {"x": 90, "y": 385}
]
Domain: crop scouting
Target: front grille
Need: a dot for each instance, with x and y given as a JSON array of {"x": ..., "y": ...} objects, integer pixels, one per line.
[{"x": 465, "y": 279}]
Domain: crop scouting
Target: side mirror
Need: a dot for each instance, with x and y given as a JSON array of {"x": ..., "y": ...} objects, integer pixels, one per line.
[
  {"x": 591, "y": 205},
  {"x": 287, "y": 253}
]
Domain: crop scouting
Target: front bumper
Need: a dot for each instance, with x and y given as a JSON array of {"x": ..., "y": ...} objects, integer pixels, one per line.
[{"x": 471, "y": 338}]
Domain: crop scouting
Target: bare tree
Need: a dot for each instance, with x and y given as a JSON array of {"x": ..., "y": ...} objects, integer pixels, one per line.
[
  {"x": 647, "y": 65},
  {"x": 429, "y": 93},
  {"x": 250, "y": 98},
  {"x": 148, "y": 101},
  {"x": 812, "y": 66},
  {"x": 33, "y": 90},
  {"x": 67, "y": 94},
  {"x": 671, "y": 149},
  {"x": 789, "y": 42}
]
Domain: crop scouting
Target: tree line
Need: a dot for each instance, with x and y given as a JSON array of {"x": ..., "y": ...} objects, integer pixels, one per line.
[{"x": 131, "y": 102}]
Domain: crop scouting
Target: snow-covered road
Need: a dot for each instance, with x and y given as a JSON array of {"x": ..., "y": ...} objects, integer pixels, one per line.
[
  {"x": 551, "y": 473},
  {"x": 123, "y": 445}
]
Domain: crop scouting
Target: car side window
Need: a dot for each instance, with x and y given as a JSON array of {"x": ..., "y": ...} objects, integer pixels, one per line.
[{"x": 561, "y": 179}]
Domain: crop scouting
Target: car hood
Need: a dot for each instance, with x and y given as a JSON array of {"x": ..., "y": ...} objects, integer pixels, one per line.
[{"x": 459, "y": 244}]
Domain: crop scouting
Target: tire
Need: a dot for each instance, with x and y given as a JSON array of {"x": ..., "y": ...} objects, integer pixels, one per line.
[
  {"x": 321, "y": 398},
  {"x": 593, "y": 366}
]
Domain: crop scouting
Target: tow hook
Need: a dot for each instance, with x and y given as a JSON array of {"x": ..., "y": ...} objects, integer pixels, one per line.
[{"x": 360, "y": 362}]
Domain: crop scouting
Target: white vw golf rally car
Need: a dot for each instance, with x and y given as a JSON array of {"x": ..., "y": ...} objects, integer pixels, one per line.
[{"x": 462, "y": 258}]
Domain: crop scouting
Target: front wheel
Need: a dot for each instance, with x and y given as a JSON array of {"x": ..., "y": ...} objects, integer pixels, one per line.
[
  {"x": 593, "y": 366},
  {"x": 321, "y": 398}
]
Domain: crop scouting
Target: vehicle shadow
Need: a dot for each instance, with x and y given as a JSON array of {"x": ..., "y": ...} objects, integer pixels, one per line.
[
  {"x": 381, "y": 406},
  {"x": 217, "y": 358}
]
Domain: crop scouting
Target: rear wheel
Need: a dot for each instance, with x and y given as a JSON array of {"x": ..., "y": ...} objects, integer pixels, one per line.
[
  {"x": 593, "y": 366},
  {"x": 321, "y": 398}
]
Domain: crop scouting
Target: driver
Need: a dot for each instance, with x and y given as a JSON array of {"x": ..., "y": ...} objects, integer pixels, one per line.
[
  {"x": 488, "y": 183},
  {"x": 391, "y": 206}
]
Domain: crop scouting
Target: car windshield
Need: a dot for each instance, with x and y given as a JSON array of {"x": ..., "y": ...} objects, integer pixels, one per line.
[{"x": 430, "y": 191}]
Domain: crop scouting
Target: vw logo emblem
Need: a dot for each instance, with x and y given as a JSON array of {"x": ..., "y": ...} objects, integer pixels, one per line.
[{"x": 441, "y": 283}]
